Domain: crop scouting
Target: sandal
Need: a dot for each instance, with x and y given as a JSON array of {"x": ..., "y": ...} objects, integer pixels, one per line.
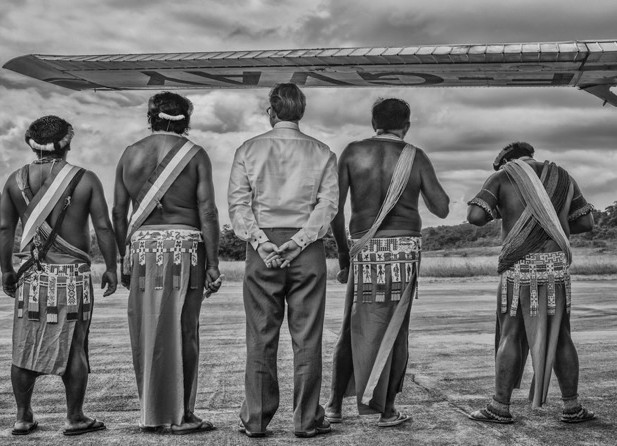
[
  {"x": 581, "y": 415},
  {"x": 488, "y": 416},
  {"x": 30, "y": 427},
  {"x": 400, "y": 418}
]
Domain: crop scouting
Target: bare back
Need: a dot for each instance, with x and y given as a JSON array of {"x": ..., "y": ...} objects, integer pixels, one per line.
[
  {"x": 138, "y": 163},
  {"x": 369, "y": 165},
  {"x": 75, "y": 228}
]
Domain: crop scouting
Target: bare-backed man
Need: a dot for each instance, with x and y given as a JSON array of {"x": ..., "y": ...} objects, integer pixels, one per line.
[
  {"x": 540, "y": 205},
  {"x": 169, "y": 248},
  {"x": 385, "y": 177},
  {"x": 53, "y": 287}
]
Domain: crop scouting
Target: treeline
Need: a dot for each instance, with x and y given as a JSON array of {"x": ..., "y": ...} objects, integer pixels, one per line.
[{"x": 465, "y": 235}]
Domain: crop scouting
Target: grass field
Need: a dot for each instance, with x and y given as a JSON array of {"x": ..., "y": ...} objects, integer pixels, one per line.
[
  {"x": 449, "y": 374},
  {"x": 468, "y": 262}
]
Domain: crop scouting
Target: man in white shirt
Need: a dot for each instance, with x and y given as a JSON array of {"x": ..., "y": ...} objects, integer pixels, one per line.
[{"x": 283, "y": 194}]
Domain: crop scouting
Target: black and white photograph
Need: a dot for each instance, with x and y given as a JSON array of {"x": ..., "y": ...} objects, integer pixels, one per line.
[{"x": 332, "y": 222}]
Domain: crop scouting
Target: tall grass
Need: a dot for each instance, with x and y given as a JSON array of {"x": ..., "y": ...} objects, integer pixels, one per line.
[{"x": 442, "y": 264}]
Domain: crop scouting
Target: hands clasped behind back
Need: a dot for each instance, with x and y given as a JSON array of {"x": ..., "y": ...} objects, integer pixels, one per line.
[{"x": 278, "y": 256}]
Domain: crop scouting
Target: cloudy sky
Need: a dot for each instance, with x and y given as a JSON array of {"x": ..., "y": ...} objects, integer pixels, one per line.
[{"x": 460, "y": 129}]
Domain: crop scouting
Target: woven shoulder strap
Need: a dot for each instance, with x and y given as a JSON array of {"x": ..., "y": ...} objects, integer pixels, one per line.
[{"x": 400, "y": 178}]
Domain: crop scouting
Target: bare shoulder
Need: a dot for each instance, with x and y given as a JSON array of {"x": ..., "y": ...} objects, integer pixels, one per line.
[
  {"x": 11, "y": 182},
  {"x": 495, "y": 179},
  {"x": 350, "y": 150},
  {"x": 90, "y": 180},
  {"x": 357, "y": 149},
  {"x": 201, "y": 157},
  {"x": 421, "y": 156},
  {"x": 133, "y": 149}
]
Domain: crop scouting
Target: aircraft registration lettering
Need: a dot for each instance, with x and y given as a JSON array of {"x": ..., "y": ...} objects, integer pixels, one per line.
[{"x": 201, "y": 78}]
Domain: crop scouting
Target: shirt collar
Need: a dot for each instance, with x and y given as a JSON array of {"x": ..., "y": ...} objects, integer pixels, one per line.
[{"x": 287, "y": 125}]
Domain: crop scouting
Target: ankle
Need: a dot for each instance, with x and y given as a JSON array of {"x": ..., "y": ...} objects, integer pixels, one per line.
[
  {"x": 333, "y": 406},
  {"x": 499, "y": 408},
  {"x": 571, "y": 403},
  {"x": 25, "y": 415}
]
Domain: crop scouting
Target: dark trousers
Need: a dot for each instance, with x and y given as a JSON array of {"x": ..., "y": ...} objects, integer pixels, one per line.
[{"x": 303, "y": 286}]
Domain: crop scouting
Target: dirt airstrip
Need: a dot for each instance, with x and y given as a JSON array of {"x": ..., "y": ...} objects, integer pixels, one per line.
[{"x": 449, "y": 374}]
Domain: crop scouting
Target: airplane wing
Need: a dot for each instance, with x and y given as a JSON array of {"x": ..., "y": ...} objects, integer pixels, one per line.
[{"x": 588, "y": 65}]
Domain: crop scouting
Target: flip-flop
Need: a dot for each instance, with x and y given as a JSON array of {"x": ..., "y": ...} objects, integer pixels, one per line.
[
  {"x": 92, "y": 426},
  {"x": 204, "y": 426},
  {"x": 27, "y": 431},
  {"x": 400, "y": 418},
  {"x": 487, "y": 416},
  {"x": 580, "y": 416}
]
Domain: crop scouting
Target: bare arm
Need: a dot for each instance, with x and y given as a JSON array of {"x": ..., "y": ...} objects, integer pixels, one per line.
[
  {"x": 482, "y": 207},
  {"x": 120, "y": 209},
  {"x": 209, "y": 218},
  {"x": 436, "y": 199},
  {"x": 580, "y": 218},
  {"x": 104, "y": 233},
  {"x": 582, "y": 224},
  {"x": 8, "y": 222},
  {"x": 338, "y": 223}
]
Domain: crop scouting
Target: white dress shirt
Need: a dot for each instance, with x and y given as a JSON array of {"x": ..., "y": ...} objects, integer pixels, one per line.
[{"x": 283, "y": 179}]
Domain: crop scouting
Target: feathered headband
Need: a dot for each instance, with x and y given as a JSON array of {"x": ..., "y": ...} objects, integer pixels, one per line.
[{"x": 49, "y": 133}]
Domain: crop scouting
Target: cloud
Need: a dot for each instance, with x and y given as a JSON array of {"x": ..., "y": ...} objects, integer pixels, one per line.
[{"x": 460, "y": 129}]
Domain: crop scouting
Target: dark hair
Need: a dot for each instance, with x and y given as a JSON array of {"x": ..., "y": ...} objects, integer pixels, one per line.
[
  {"x": 288, "y": 102},
  {"x": 390, "y": 114},
  {"x": 511, "y": 152},
  {"x": 50, "y": 136},
  {"x": 171, "y": 104}
]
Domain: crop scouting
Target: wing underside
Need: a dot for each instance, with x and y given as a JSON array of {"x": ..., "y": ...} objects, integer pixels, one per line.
[{"x": 588, "y": 65}]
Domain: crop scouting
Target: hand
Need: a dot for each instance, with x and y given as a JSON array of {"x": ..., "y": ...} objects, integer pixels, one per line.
[
  {"x": 214, "y": 280},
  {"x": 268, "y": 253},
  {"x": 288, "y": 251},
  {"x": 9, "y": 283},
  {"x": 125, "y": 280},
  {"x": 343, "y": 260},
  {"x": 343, "y": 275},
  {"x": 110, "y": 278}
]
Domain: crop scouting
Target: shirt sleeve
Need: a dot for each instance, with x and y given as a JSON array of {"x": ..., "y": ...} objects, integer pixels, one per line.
[
  {"x": 487, "y": 200},
  {"x": 578, "y": 206},
  {"x": 325, "y": 209},
  {"x": 239, "y": 198}
]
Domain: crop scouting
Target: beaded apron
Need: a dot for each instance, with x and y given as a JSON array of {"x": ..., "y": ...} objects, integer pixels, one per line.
[
  {"x": 533, "y": 271},
  {"x": 161, "y": 242},
  {"x": 51, "y": 281},
  {"x": 384, "y": 268}
]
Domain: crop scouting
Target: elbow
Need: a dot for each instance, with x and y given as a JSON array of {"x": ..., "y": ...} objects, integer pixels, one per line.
[
  {"x": 586, "y": 226},
  {"x": 443, "y": 211},
  {"x": 210, "y": 215},
  {"x": 443, "y": 208},
  {"x": 476, "y": 218}
]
